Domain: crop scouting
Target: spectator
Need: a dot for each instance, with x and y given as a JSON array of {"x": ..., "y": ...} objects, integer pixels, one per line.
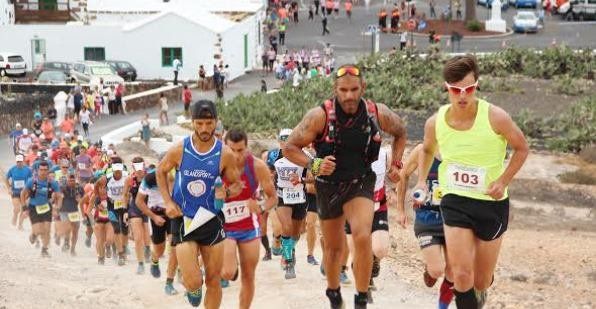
[
  {"x": 119, "y": 93},
  {"x": 177, "y": 64},
  {"x": 216, "y": 76},
  {"x": 145, "y": 130},
  {"x": 70, "y": 102},
  {"x": 202, "y": 78},
  {"x": 403, "y": 39},
  {"x": 324, "y": 23},
  {"x": 85, "y": 119},
  {"x": 163, "y": 113},
  {"x": 263, "y": 86},
  {"x": 311, "y": 13},
  {"x": 433, "y": 13},
  {"x": 186, "y": 98},
  {"x": 67, "y": 125}
]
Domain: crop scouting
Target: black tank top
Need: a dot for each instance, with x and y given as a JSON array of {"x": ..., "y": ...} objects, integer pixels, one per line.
[
  {"x": 352, "y": 133},
  {"x": 134, "y": 189}
]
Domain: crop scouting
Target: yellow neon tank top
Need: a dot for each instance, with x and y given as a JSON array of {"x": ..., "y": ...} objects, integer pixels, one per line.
[{"x": 473, "y": 158}]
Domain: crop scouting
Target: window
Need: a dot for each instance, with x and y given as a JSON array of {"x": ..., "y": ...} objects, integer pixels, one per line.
[
  {"x": 168, "y": 54},
  {"x": 95, "y": 54}
]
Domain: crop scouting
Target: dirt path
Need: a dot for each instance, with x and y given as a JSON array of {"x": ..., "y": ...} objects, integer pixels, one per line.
[{"x": 28, "y": 281}]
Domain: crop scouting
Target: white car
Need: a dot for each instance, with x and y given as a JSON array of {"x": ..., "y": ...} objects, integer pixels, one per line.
[
  {"x": 12, "y": 64},
  {"x": 91, "y": 72},
  {"x": 525, "y": 21}
]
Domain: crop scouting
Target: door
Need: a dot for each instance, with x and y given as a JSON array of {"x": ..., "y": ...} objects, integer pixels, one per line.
[
  {"x": 38, "y": 52},
  {"x": 245, "y": 51}
]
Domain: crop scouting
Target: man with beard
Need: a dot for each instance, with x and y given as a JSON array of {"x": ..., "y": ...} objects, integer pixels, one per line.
[{"x": 196, "y": 201}]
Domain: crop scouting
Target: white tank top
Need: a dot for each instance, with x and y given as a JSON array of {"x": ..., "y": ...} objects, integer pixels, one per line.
[{"x": 116, "y": 191}]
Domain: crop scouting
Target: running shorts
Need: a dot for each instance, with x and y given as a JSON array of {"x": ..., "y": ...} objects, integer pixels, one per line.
[
  {"x": 332, "y": 196},
  {"x": 243, "y": 235},
  {"x": 209, "y": 234},
  {"x": 488, "y": 219},
  {"x": 380, "y": 223}
]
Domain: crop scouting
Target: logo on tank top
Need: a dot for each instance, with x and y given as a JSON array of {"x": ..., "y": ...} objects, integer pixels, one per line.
[
  {"x": 196, "y": 188},
  {"x": 197, "y": 173}
]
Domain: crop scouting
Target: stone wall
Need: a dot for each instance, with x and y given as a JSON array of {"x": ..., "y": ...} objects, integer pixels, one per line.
[
  {"x": 131, "y": 88},
  {"x": 150, "y": 99}
]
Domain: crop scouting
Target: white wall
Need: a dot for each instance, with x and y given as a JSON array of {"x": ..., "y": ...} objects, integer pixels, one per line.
[
  {"x": 233, "y": 46},
  {"x": 6, "y": 13}
]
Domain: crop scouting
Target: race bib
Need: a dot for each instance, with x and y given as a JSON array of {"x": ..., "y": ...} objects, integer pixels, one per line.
[
  {"x": 19, "y": 184},
  {"x": 236, "y": 211},
  {"x": 42, "y": 209},
  {"x": 466, "y": 178},
  {"x": 74, "y": 217},
  {"x": 82, "y": 166},
  {"x": 293, "y": 196},
  {"x": 118, "y": 204},
  {"x": 102, "y": 214}
]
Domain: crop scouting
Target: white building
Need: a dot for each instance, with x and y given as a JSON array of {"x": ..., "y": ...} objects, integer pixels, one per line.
[
  {"x": 6, "y": 12},
  {"x": 150, "y": 34}
]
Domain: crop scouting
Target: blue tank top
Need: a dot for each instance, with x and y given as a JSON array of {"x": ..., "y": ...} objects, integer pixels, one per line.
[
  {"x": 19, "y": 177},
  {"x": 194, "y": 182},
  {"x": 429, "y": 213}
]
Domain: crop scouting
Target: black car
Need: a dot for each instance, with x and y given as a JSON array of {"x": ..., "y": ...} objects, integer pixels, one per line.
[
  {"x": 124, "y": 69},
  {"x": 53, "y": 66}
]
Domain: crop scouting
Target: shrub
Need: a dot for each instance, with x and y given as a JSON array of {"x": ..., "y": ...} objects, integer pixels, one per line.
[{"x": 474, "y": 25}]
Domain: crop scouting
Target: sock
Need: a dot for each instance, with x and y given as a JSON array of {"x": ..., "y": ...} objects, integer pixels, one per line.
[
  {"x": 169, "y": 281},
  {"x": 265, "y": 243},
  {"x": 446, "y": 293},
  {"x": 287, "y": 247},
  {"x": 466, "y": 300},
  {"x": 147, "y": 248},
  {"x": 344, "y": 268},
  {"x": 361, "y": 299},
  {"x": 334, "y": 296}
]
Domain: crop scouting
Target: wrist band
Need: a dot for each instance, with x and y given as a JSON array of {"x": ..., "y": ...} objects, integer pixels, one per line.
[
  {"x": 397, "y": 163},
  {"x": 316, "y": 166}
]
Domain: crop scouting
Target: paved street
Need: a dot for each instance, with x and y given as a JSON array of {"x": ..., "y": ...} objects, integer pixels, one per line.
[{"x": 348, "y": 41}]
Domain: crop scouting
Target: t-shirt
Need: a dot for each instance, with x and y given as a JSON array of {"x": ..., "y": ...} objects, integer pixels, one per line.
[
  {"x": 176, "y": 64},
  {"x": 69, "y": 202},
  {"x": 84, "y": 166},
  {"x": 85, "y": 116},
  {"x": 41, "y": 193},
  {"x": 164, "y": 104},
  {"x": 67, "y": 126},
  {"x": 18, "y": 177},
  {"x": 154, "y": 200},
  {"x": 187, "y": 96}
]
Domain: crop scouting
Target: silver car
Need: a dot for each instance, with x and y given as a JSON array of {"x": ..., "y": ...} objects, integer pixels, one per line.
[{"x": 91, "y": 72}]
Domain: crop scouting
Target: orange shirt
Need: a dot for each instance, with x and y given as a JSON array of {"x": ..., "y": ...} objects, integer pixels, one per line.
[
  {"x": 348, "y": 6},
  {"x": 283, "y": 13},
  {"x": 329, "y": 4},
  {"x": 48, "y": 130},
  {"x": 67, "y": 126}
]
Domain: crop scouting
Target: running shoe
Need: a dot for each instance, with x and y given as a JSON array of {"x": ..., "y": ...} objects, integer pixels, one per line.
[
  {"x": 88, "y": 242},
  {"x": 108, "y": 252},
  {"x": 290, "y": 272},
  {"x": 224, "y": 283},
  {"x": 335, "y": 299},
  {"x": 140, "y": 269},
  {"x": 267, "y": 256},
  {"x": 369, "y": 298},
  {"x": 371, "y": 285},
  {"x": 428, "y": 280},
  {"x": 101, "y": 260},
  {"x": 343, "y": 277},
  {"x": 121, "y": 259},
  {"x": 73, "y": 253},
  {"x": 322, "y": 270},
  {"x": 45, "y": 253},
  {"x": 376, "y": 268},
  {"x": 65, "y": 247},
  {"x": 32, "y": 238},
  {"x": 312, "y": 260},
  {"x": 155, "y": 272},
  {"x": 276, "y": 251},
  {"x": 169, "y": 289},
  {"x": 195, "y": 297}
]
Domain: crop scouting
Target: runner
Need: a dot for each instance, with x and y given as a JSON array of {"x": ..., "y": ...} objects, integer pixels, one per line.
[
  {"x": 136, "y": 219},
  {"x": 99, "y": 202},
  {"x": 37, "y": 195},
  {"x": 16, "y": 178},
  {"x": 292, "y": 206},
  {"x": 117, "y": 207},
  {"x": 241, "y": 213},
  {"x": 61, "y": 226},
  {"x": 428, "y": 226},
  {"x": 70, "y": 215},
  {"x": 312, "y": 216},
  {"x": 150, "y": 202},
  {"x": 473, "y": 180},
  {"x": 84, "y": 166},
  {"x": 346, "y": 133},
  {"x": 86, "y": 209},
  {"x": 270, "y": 156},
  {"x": 197, "y": 221}
]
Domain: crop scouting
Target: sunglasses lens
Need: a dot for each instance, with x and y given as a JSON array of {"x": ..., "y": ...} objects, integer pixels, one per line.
[
  {"x": 348, "y": 70},
  {"x": 470, "y": 89}
]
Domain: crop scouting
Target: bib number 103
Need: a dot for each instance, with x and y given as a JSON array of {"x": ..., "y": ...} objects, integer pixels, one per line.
[{"x": 466, "y": 178}]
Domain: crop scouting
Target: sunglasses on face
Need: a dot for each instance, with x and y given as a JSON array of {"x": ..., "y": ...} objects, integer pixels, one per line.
[
  {"x": 461, "y": 90},
  {"x": 354, "y": 71},
  {"x": 284, "y": 138}
]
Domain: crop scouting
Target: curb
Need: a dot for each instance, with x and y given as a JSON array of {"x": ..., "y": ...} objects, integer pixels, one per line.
[{"x": 492, "y": 36}]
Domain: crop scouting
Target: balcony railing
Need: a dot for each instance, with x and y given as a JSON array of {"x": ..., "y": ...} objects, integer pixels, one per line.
[{"x": 35, "y": 11}]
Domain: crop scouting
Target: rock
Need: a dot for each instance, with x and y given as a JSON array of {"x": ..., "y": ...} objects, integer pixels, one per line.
[
  {"x": 519, "y": 278},
  {"x": 546, "y": 278},
  {"x": 97, "y": 290}
]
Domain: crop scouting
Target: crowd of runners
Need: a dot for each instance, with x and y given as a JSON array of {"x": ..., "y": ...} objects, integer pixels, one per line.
[{"x": 207, "y": 203}]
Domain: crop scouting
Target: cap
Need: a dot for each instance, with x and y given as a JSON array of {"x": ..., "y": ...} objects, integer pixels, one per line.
[
  {"x": 19, "y": 158},
  {"x": 25, "y": 131},
  {"x": 285, "y": 133},
  {"x": 18, "y": 125},
  {"x": 204, "y": 109},
  {"x": 80, "y": 138},
  {"x": 117, "y": 167},
  {"x": 37, "y": 115},
  {"x": 67, "y": 135}
]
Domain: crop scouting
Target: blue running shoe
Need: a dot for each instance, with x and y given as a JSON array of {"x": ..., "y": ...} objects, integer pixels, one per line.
[
  {"x": 276, "y": 251},
  {"x": 169, "y": 289},
  {"x": 322, "y": 270},
  {"x": 224, "y": 283},
  {"x": 312, "y": 260},
  {"x": 140, "y": 269},
  {"x": 195, "y": 297},
  {"x": 343, "y": 278},
  {"x": 155, "y": 272}
]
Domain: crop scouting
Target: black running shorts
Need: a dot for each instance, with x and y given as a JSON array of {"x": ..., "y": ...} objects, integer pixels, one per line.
[
  {"x": 298, "y": 210},
  {"x": 37, "y": 218},
  {"x": 331, "y": 197},
  {"x": 158, "y": 233},
  {"x": 209, "y": 234},
  {"x": 119, "y": 225},
  {"x": 311, "y": 202},
  {"x": 488, "y": 219}
]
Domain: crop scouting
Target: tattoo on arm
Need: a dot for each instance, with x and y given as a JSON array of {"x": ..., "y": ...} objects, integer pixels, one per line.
[
  {"x": 390, "y": 122},
  {"x": 307, "y": 130}
]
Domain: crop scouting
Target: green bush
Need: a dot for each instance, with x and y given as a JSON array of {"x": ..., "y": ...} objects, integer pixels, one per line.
[
  {"x": 575, "y": 128},
  {"x": 474, "y": 25}
]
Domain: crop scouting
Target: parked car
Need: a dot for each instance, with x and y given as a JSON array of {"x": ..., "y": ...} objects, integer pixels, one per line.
[
  {"x": 124, "y": 69},
  {"x": 581, "y": 10},
  {"x": 53, "y": 66},
  {"x": 525, "y": 4},
  {"x": 52, "y": 77},
  {"x": 525, "y": 21},
  {"x": 12, "y": 64},
  {"x": 91, "y": 72},
  {"x": 489, "y": 3}
]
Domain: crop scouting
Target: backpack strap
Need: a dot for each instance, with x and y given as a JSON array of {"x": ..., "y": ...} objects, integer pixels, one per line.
[
  {"x": 249, "y": 170},
  {"x": 373, "y": 115},
  {"x": 329, "y": 132}
]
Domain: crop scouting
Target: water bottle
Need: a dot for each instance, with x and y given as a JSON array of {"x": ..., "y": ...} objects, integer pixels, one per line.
[
  {"x": 419, "y": 196},
  {"x": 218, "y": 202}
]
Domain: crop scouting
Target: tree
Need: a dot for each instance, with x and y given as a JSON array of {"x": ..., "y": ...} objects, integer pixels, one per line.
[{"x": 470, "y": 10}]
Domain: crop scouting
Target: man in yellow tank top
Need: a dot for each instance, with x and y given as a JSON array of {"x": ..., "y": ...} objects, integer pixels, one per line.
[{"x": 472, "y": 137}]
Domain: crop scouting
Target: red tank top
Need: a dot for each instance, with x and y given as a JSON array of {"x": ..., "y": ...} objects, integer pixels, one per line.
[{"x": 238, "y": 216}]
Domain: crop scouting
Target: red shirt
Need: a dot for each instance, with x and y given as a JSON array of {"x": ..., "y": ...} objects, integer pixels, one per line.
[
  {"x": 187, "y": 96},
  {"x": 238, "y": 216}
]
